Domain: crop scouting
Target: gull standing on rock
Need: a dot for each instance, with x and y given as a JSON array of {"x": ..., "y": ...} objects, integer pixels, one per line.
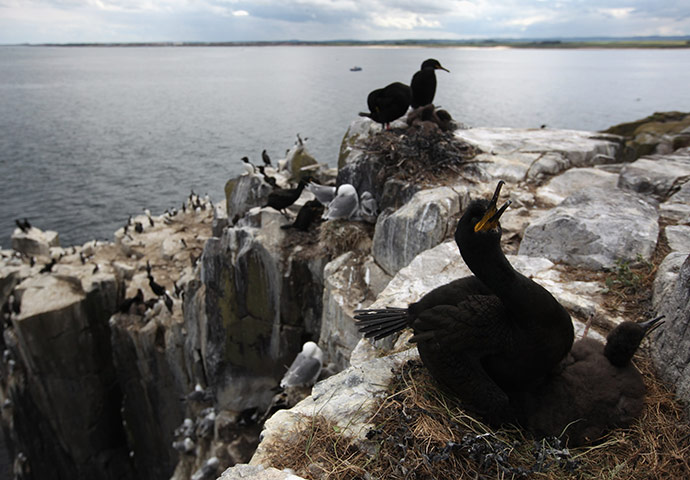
[
  {"x": 305, "y": 368},
  {"x": 323, "y": 193},
  {"x": 344, "y": 205}
]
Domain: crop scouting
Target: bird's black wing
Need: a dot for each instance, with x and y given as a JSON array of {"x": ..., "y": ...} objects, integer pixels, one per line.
[{"x": 477, "y": 321}]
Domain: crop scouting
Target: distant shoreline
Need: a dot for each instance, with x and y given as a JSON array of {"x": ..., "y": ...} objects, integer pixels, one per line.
[{"x": 643, "y": 42}]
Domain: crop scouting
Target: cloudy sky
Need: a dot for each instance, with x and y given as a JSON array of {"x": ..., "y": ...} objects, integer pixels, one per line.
[{"x": 60, "y": 21}]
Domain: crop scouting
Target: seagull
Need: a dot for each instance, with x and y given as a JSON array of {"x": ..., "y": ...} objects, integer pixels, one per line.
[
  {"x": 368, "y": 208},
  {"x": 323, "y": 193},
  {"x": 344, "y": 205},
  {"x": 305, "y": 367}
]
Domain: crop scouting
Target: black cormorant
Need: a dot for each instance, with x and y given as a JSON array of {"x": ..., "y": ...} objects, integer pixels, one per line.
[
  {"x": 128, "y": 303},
  {"x": 388, "y": 103},
  {"x": 423, "y": 83},
  {"x": 596, "y": 390},
  {"x": 48, "y": 267},
  {"x": 266, "y": 158},
  {"x": 309, "y": 212},
  {"x": 156, "y": 288},
  {"x": 269, "y": 179},
  {"x": 23, "y": 225},
  {"x": 282, "y": 198},
  {"x": 485, "y": 335}
]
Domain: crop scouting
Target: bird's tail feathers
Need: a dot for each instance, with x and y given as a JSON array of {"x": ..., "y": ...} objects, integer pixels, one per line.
[
  {"x": 382, "y": 322},
  {"x": 365, "y": 114}
]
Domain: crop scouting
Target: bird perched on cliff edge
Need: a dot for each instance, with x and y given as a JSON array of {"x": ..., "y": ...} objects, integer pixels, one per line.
[
  {"x": 344, "y": 205},
  {"x": 485, "y": 335},
  {"x": 282, "y": 198},
  {"x": 309, "y": 212},
  {"x": 305, "y": 368},
  {"x": 388, "y": 103},
  {"x": 423, "y": 83},
  {"x": 323, "y": 193},
  {"x": 23, "y": 225},
  {"x": 266, "y": 158},
  {"x": 596, "y": 390}
]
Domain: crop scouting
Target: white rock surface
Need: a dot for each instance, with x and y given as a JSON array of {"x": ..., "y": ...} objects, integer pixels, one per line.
[
  {"x": 422, "y": 223},
  {"x": 573, "y": 180},
  {"x": 256, "y": 472},
  {"x": 533, "y": 154},
  {"x": 656, "y": 175},
  {"x": 35, "y": 241},
  {"x": 678, "y": 237},
  {"x": 593, "y": 228}
]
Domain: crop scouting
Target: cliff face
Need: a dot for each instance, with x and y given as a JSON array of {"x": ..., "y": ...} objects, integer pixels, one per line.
[
  {"x": 577, "y": 207},
  {"x": 93, "y": 392}
]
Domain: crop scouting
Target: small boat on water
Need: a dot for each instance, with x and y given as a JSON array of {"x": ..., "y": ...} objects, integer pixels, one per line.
[{"x": 356, "y": 69}]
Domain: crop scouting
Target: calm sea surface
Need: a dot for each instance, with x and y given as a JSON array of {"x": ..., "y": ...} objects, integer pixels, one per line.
[{"x": 89, "y": 136}]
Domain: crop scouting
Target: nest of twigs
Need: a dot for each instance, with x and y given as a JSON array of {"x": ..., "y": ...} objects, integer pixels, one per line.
[
  {"x": 420, "y": 155},
  {"x": 421, "y": 433},
  {"x": 340, "y": 236}
]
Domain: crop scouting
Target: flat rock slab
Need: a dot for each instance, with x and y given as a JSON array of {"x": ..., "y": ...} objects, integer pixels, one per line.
[
  {"x": 593, "y": 229},
  {"x": 677, "y": 208},
  {"x": 34, "y": 241},
  {"x": 515, "y": 154},
  {"x": 678, "y": 237},
  {"x": 656, "y": 175},
  {"x": 562, "y": 186}
]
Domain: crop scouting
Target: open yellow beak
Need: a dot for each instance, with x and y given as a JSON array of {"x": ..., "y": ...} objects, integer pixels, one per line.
[{"x": 492, "y": 215}]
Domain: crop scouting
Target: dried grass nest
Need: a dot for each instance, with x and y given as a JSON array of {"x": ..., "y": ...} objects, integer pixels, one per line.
[
  {"x": 421, "y": 433},
  {"x": 420, "y": 156}
]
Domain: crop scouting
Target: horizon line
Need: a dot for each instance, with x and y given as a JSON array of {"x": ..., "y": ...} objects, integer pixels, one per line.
[{"x": 546, "y": 41}]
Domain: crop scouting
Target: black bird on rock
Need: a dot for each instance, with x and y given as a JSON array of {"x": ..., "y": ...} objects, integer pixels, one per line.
[
  {"x": 310, "y": 211},
  {"x": 267, "y": 178},
  {"x": 596, "y": 390},
  {"x": 130, "y": 302},
  {"x": 388, "y": 104},
  {"x": 156, "y": 288},
  {"x": 266, "y": 158},
  {"x": 423, "y": 83},
  {"x": 485, "y": 335},
  {"x": 23, "y": 225},
  {"x": 282, "y": 198}
]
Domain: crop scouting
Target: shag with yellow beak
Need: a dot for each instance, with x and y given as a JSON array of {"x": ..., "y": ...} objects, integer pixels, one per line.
[{"x": 487, "y": 335}]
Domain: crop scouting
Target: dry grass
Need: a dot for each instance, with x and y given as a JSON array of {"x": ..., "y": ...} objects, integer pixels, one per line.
[
  {"x": 340, "y": 236},
  {"x": 421, "y": 433}
]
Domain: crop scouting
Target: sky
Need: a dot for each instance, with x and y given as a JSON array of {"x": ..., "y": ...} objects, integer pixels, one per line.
[{"x": 75, "y": 21}]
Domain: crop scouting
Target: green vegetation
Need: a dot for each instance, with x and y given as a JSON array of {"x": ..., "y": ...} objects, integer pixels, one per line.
[{"x": 627, "y": 277}]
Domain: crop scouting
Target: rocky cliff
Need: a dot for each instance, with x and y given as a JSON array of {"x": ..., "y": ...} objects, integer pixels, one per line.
[{"x": 178, "y": 386}]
